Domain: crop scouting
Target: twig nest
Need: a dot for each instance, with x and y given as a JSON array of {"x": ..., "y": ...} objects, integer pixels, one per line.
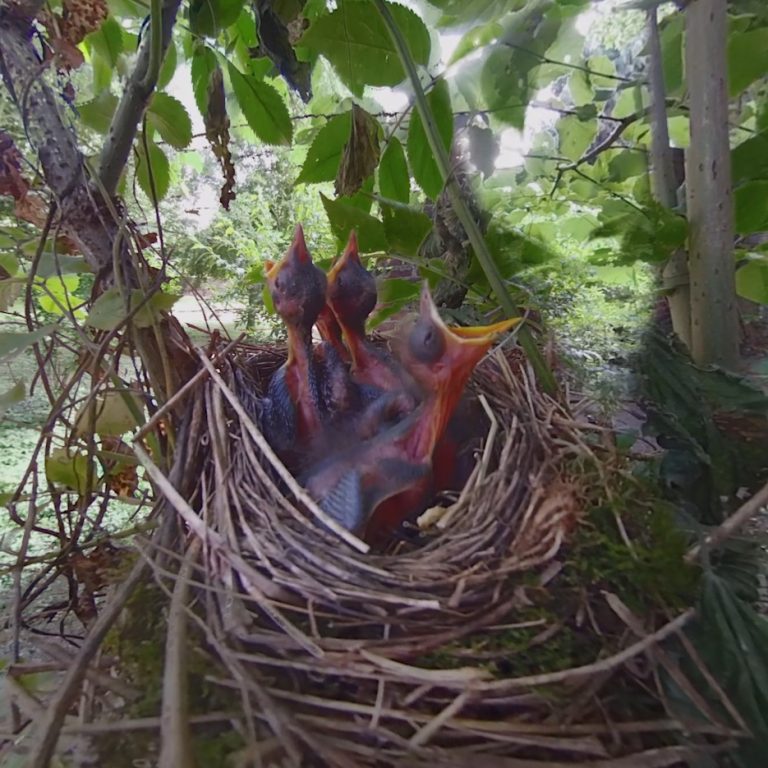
[{"x": 350, "y": 658}]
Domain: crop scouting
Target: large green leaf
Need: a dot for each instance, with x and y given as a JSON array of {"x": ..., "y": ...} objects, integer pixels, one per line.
[
  {"x": 750, "y": 159},
  {"x": 107, "y": 41},
  {"x": 394, "y": 181},
  {"x": 108, "y": 311},
  {"x": 12, "y": 342},
  {"x": 504, "y": 84},
  {"x": 60, "y": 263},
  {"x": 747, "y": 58},
  {"x": 57, "y": 294},
  {"x": 752, "y": 281},
  {"x": 203, "y": 64},
  {"x": 69, "y": 469},
  {"x": 422, "y": 161},
  {"x": 207, "y": 17},
  {"x": 626, "y": 164},
  {"x": 167, "y": 115},
  {"x": 168, "y": 68},
  {"x": 97, "y": 113},
  {"x": 324, "y": 154},
  {"x": 750, "y": 202},
  {"x": 475, "y": 38},
  {"x": 672, "y": 52},
  {"x": 345, "y": 217},
  {"x": 575, "y": 136},
  {"x": 356, "y": 41},
  {"x": 263, "y": 108},
  {"x": 405, "y": 229},
  {"x": 154, "y": 159}
]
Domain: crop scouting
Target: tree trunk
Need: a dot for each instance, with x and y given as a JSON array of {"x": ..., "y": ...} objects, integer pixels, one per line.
[
  {"x": 675, "y": 280},
  {"x": 714, "y": 317},
  {"x": 84, "y": 215}
]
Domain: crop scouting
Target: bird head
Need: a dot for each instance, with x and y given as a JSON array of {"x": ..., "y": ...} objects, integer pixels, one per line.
[
  {"x": 351, "y": 287},
  {"x": 296, "y": 285}
]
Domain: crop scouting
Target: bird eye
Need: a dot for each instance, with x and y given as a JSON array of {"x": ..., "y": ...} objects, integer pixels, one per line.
[
  {"x": 340, "y": 281},
  {"x": 277, "y": 283}
]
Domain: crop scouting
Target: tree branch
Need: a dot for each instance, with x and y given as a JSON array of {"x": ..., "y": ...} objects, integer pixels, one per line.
[
  {"x": 458, "y": 203},
  {"x": 130, "y": 110}
]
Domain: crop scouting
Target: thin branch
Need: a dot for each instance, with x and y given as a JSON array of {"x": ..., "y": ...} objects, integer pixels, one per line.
[
  {"x": 746, "y": 511},
  {"x": 457, "y": 200},
  {"x": 546, "y": 60},
  {"x": 130, "y": 110}
]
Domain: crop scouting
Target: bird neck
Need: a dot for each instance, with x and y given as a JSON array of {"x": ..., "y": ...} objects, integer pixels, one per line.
[
  {"x": 299, "y": 346},
  {"x": 433, "y": 418}
]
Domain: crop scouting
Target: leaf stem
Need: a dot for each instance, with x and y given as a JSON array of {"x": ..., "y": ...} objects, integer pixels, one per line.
[{"x": 474, "y": 234}]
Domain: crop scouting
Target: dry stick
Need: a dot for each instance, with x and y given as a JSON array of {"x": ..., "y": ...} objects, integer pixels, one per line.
[
  {"x": 280, "y": 468},
  {"x": 731, "y": 525},
  {"x": 175, "y": 738},
  {"x": 214, "y": 540},
  {"x": 51, "y": 722},
  {"x": 181, "y": 393}
]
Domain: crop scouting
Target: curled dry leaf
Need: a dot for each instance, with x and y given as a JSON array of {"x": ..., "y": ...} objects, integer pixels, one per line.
[
  {"x": 361, "y": 153},
  {"x": 217, "y": 132}
]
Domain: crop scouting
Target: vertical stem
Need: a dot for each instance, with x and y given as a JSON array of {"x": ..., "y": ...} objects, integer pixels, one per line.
[
  {"x": 474, "y": 234},
  {"x": 675, "y": 280},
  {"x": 714, "y": 317}
]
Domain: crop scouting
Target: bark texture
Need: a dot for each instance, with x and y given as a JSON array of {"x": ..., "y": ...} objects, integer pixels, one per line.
[
  {"x": 675, "y": 279},
  {"x": 714, "y": 316}
]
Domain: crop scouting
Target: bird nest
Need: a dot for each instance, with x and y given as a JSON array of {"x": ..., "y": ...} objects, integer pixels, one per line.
[{"x": 448, "y": 649}]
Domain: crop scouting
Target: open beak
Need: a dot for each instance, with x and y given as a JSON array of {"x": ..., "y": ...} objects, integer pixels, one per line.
[
  {"x": 351, "y": 254},
  {"x": 463, "y": 342}
]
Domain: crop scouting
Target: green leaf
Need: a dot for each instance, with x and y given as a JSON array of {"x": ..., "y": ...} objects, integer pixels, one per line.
[
  {"x": 160, "y": 167},
  {"x": 627, "y": 164},
  {"x": 168, "y": 67},
  {"x": 203, "y": 64},
  {"x": 629, "y": 101},
  {"x": 747, "y": 58},
  {"x": 207, "y": 17},
  {"x": 750, "y": 202},
  {"x": 672, "y": 52},
  {"x": 263, "y": 108},
  {"x": 752, "y": 281},
  {"x": 422, "y": 161},
  {"x": 580, "y": 88},
  {"x": 356, "y": 42},
  {"x": 57, "y": 295},
  {"x": 575, "y": 136},
  {"x": 102, "y": 72},
  {"x": 107, "y": 312},
  {"x": 11, "y": 342},
  {"x": 750, "y": 159},
  {"x": 324, "y": 154},
  {"x": 394, "y": 181},
  {"x": 52, "y": 264},
  {"x": 112, "y": 415},
  {"x": 167, "y": 115},
  {"x": 14, "y": 395},
  {"x": 679, "y": 127},
  {"x": 504, "y": 84},
  {"x": 98, "y": 112},
  {"x": 107, "y": 41},
  {"x": 477, "y": 37},
  {"x": 405, "y": 229},
  {"x": 69, "y": 469},
  {"x": 152, "y": 310},
  {"x": 345, "y": 217}
]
